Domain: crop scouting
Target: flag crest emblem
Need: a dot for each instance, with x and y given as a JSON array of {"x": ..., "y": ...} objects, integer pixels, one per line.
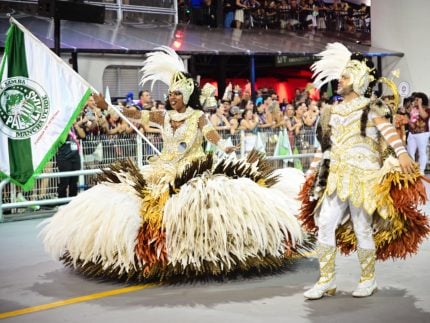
[{"x": 24, "y": 108}]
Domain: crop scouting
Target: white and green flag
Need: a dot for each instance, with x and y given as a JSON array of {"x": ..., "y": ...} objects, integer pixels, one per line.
[
  {"x": 283, "y": 146},
  {"x": 40, "y": 97}
]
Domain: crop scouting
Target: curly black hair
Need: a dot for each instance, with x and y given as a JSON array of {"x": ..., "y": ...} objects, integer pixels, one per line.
[
  {"x": 422, "y": 96},
  {"x": 194, "y": 101}
]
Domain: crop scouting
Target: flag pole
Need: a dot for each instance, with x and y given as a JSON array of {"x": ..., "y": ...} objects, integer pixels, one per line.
[
  {"x": 134, "y": 127},
  {"x": 58, "y": 58}
]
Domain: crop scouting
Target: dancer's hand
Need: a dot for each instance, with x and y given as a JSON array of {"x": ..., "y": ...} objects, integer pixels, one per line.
[
  {"x": 406, "y": 163},
  {"x": 100, "y": 101},
  {"x": 229, "y": 150}
]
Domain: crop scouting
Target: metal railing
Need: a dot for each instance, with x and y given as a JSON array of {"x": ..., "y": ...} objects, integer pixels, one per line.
[{"x": 100, "y": 151}]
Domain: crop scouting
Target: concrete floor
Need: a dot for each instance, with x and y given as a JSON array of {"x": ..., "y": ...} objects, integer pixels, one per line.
[{"x": 28, "y": 277}]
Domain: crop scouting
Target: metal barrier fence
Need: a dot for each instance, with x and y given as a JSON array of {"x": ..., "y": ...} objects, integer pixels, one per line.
[{"x": 100, "y": 151}]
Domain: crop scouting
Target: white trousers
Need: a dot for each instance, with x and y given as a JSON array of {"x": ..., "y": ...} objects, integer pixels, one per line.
[
  {"x": 333, "y": 211},
  {"x": 419, "y": 141}
]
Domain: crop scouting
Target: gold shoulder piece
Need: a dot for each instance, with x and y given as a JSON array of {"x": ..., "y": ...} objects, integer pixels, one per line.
[
  {"x": 395, "y": 92},
  {"x": 381, "y": 108}
]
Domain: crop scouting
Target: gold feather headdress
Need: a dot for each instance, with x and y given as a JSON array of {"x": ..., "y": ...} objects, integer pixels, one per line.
[
  {"x": 336, "y": 61},
  {"x": 166, "y": 66}
]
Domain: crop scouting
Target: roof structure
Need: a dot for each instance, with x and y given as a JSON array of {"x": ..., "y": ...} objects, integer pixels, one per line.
[{"x": 185, "y": 39}]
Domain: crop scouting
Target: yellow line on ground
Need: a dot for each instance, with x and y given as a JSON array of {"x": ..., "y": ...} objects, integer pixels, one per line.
[{"x": 74, "y": 300}]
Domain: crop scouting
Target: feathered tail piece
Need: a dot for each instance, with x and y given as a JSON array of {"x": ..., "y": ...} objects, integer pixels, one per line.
[
  {"x": 124, "y": 171},
  {"x": 330, "y": 66},
  {"x": 408, "y": 225},
  {"x": 400, "y": 227},
  {"x": 308, "y": 205},
  {"x": 161, "y": 65}
]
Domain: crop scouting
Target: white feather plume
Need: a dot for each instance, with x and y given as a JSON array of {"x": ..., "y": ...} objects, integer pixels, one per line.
[
  {"x": 290, "y": 183},
  {"x": 160, "y": 65},
  {"x": 99, "y": 225},
  {"x": 213, "y": 218},
  {"x": 333, "y": 61},
  {"x": 222, "y": 220}
]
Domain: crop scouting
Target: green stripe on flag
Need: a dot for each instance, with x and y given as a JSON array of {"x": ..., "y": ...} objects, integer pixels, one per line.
[
  {"x": 35, "y": 73},
  {"x": 51, "y": 153},
  {"x": 20, "y": 155}
]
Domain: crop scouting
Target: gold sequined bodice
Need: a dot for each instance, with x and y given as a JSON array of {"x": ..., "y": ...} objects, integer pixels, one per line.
[
  {"x": 354, "y": 160},
  {"x": 182, "y": 144}
]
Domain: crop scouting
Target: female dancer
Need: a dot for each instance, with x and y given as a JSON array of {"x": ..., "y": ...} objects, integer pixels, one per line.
[{"x": 184, "y": 215}]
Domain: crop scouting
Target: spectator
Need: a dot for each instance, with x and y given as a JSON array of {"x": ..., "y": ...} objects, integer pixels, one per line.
[
  {"x": 145, "y": 101},
  {"x": 116, "y": 125},
  {"x": 283, "y": 10},
  {"x": 259, "y": 98},
  {"x": 129, "y": 100},
  {"x": 237, "y": 92},
  {"x": 293, "y": 22},
  {"x": 283, "y": 105},
  {"x": 68, "y": 159},
  {"x": 300, "y": 133},
  {"x": 218, "y": 120},
  {"x": 272, "y": 15},
  {"x": 314, "y": 108},
  {"x": 183, "y": 11},
  {"x": 312, "y": 11},
  {"x": 262, "y": 115},
  {"x": 239, "y": 14},
  {"x": 250, "y": 106},
  {"x": 229, "y": 8},
  {"x": 322, "y": 14},
  {"x": 419, "y": 129},
  {"x": 236, "y": 117},
  {"x": 209, "y": 13},
  {"x": 159, "y": 105},
  {"x": 276, "y": 113},
  {"x": 94, "y": 123},
  {"x": 249, "y": 121},
  {"x": 227, "y": 107},
  {"x": 92, "y": 120},
  {"x": 292, "y": 125}
]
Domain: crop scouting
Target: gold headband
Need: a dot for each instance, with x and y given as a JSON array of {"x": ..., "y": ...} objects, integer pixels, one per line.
[
  {"x": 182, "y": 84},
  {"x": 359, "y": 74}
]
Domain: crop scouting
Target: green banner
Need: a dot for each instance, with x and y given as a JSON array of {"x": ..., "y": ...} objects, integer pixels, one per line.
[{"x": 20, "y": 154}]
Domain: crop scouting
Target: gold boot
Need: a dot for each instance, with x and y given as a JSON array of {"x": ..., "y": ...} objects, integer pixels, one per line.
[
  {"x": 326, "y": 285},
  {"x": 367, "y": 285}
]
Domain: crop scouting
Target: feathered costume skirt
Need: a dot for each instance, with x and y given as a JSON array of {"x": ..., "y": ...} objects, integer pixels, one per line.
[
  {"x": 212, "y": 219},
  {"x": 399, "y": 232}
]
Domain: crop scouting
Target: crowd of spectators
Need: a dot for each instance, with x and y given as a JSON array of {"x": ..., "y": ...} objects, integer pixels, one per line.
[
  {"x": 236, "y": 115},
  {"x": 284, "y": 14},
  {"x": 236, "y": 111},
  {"x": 412, "y": 124}
]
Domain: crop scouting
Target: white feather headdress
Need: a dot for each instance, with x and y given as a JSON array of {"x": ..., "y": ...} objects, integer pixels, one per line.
[
  {"x": 166, "y": 66},
  {"x": 161, "y": 65},
  {"x": 333, "y": 61}
]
